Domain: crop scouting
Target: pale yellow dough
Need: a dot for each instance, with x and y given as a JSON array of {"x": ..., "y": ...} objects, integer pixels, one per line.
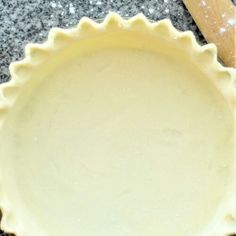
[{"x": 118, "y": 135}]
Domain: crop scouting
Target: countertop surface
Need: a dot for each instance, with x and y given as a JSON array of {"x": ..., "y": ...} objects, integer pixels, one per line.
[{"x": 23, "y": 21}]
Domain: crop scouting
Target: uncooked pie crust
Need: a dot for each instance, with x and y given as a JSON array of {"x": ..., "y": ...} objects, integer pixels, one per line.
[{"x": 123, "y": 127}]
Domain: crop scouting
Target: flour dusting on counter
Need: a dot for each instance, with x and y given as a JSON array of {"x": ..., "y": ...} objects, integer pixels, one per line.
[
  {"x": 232, "y": 21},
  {"x": 27, "y": 21}
]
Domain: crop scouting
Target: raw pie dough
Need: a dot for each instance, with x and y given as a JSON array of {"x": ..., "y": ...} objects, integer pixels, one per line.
[{"x": 119, "y": 131}]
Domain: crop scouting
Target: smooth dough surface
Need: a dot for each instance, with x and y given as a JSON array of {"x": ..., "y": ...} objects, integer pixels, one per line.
[{"x": 121, "y": 142}]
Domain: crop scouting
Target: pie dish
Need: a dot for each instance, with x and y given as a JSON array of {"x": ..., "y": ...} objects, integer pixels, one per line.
[{"x": 124, "y": 127}]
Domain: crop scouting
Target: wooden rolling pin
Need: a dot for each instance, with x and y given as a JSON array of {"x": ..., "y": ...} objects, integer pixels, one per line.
[{"x": 217, "y": 21}]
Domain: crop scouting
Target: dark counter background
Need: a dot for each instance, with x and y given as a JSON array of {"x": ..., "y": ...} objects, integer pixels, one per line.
[{"x": 24, "y": 21}]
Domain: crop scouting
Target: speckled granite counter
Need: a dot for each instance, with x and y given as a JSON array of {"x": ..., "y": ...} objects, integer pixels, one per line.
[{"x": 23, "y": 21}]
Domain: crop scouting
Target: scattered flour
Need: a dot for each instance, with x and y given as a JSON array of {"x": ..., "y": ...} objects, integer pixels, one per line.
[
  {"x": 71, "y": 8},
  {"x": 222, "y": 30},
  {"x": 151, "y": 10},
  {"x": 99, "y": 3},
  {"x": 232, "y": 21},
  {"x": 203, "y": 3},
  {"x": 53, "y": 4},
  {"x": 167, "y": 10}
]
